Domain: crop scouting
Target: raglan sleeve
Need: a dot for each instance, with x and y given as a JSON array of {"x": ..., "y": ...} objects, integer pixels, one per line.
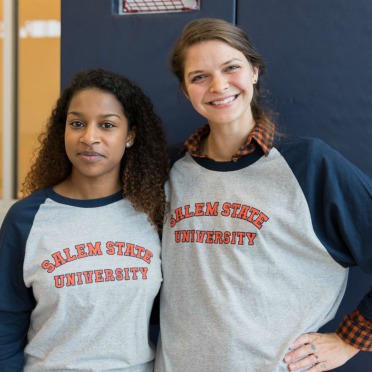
[
  {"x": 16, "y": 300},
  {"x": 339, "y": 196},
  {"x": 346, "y": 194}
]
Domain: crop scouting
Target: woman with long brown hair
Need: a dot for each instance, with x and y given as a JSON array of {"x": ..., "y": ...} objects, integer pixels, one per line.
[{"x": 261, "y": 228}]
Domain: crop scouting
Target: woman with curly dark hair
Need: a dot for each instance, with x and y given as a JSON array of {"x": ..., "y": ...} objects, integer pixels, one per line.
[{"x": 80, "y": 254}]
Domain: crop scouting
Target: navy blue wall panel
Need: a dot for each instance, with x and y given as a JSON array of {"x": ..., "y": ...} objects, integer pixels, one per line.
[
  {"x": 137, "y": 46},
  {"x": 319, "y": 78},
  {"x": 319, "y": 58}
]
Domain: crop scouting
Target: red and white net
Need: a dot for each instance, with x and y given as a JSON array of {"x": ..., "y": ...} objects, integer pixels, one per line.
[{"x": 156, "y": 6}]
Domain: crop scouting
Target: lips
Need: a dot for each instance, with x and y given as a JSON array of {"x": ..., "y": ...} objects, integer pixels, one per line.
[
  {"x": 90, "y": 155},
  {"x": 223, "y": 101}
]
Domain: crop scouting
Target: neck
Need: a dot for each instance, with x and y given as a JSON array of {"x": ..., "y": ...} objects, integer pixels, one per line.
[
  {"x": 72, "y": 189},
  {"x": 223, "y": 142}
]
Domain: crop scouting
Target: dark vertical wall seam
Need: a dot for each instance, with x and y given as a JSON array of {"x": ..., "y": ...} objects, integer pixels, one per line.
[{"x": 235, "y": 11}]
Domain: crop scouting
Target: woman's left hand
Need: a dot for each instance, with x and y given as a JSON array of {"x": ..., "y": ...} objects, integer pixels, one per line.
[{"x": 321, "y": 351}]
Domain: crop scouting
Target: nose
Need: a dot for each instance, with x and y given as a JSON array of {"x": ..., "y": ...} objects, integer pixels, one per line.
[
  {"x": 90, "y": 135},
  {"x": 219, "y": 84}
]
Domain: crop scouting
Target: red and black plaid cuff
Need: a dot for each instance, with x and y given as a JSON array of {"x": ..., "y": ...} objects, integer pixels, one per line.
[{"x": 356, "y": 331}]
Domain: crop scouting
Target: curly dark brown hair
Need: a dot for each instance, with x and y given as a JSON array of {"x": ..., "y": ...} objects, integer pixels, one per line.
[{"x": 144, "y": 168}]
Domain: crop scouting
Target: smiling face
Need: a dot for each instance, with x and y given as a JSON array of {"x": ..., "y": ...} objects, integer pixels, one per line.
[
  {"x": 219, "y": 80},
  {"x": 96, "y": 135}
]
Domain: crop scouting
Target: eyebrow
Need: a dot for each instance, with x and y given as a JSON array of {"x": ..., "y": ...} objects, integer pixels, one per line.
[
  {"x": 223, "y": 64},
  {"x": 76, "y": 113}
]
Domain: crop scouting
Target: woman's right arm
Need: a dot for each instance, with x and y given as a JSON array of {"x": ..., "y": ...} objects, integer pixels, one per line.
[{"x": 16, "y": 300}]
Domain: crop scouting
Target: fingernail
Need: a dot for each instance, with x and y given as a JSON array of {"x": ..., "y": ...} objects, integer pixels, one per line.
[{"x": 287, "y": 359}]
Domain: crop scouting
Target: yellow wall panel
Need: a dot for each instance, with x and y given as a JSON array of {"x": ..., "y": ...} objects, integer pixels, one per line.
[
  {"x": 1, "y": 99},
  {"x": 38, "y": 72}
]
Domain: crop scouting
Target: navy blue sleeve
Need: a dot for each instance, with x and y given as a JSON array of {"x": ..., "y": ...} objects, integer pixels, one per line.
[
  {"x": 339, "y": 196},
  {"x": 16, "y": 300}
]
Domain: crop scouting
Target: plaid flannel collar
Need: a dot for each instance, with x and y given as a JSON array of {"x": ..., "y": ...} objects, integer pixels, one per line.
[{"x": 260, "y": 135}]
